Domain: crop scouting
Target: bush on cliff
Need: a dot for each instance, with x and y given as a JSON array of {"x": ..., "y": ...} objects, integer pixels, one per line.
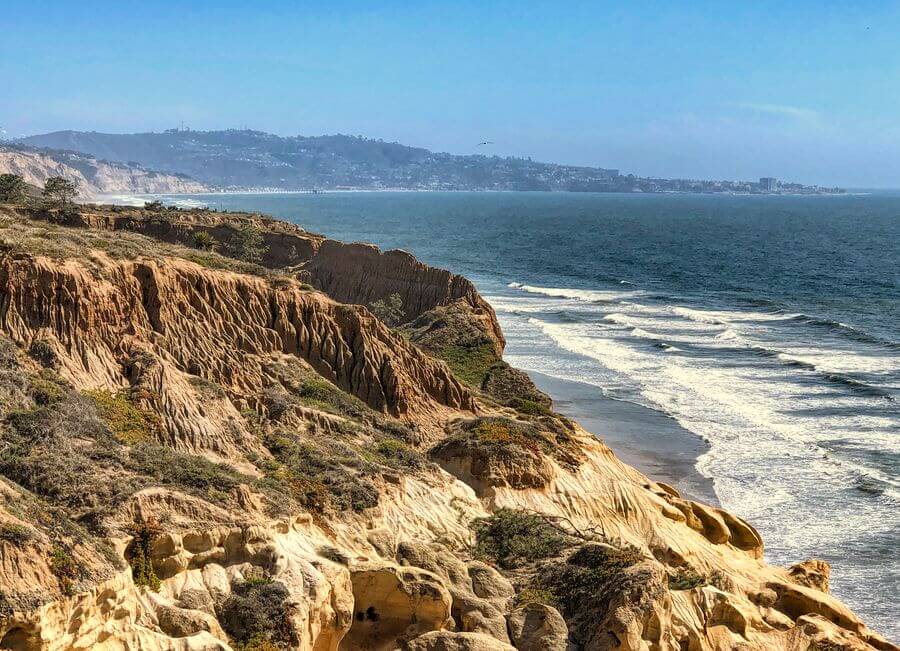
[
  {"x": 686, "y": 578},
  {"x": 142, "y": 571},
  {"x": 129, "y": 424},
  {"x": 204, "y": 241},
  {"x": 247, "y": 244},
  {"x": 256, "y": 614},
  {"x": 194, "y": 473},
  {"x": 469, "y": 363},
  {"x": 60, "y": 190},
  {"x": 511, "y": 538},
  {"x": 321, "y": 394},
  {"x": 318, "y": 476},
  {"x": 389, "y": 310},
  {"x": 12, "y": 188},
  {"x": 586, "y": 575}
]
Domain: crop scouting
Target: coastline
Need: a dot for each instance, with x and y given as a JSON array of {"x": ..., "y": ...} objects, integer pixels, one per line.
[{"x": 645, "y": 438}]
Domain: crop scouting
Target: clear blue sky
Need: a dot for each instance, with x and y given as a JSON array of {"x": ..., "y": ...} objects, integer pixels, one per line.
[{"x": 806, "y": 91}]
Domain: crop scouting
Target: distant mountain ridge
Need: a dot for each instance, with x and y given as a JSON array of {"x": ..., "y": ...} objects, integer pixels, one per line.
[
  {"x": 248, "y": 159},
  {"x": 93, "y": 176}
]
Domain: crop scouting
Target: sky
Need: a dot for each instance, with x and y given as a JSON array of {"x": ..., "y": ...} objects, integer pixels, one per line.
[{"x": 803, "y": 91}]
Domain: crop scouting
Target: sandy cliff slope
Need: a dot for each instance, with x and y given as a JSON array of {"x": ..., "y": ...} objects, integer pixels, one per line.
[
  {"x": 206, "y": 452},
  {"x": 92, "y": 176}
]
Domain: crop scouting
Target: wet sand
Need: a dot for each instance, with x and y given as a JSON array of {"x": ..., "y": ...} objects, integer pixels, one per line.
[{"x": 647, "y": 439}]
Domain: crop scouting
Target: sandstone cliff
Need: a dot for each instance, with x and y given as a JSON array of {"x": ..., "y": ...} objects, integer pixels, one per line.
[
  {"x": 92, "y": 176},
  {"x": 200, "y": 452}
]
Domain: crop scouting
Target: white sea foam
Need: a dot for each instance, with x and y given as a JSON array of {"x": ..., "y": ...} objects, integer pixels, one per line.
[
  {"x": 700, "y": 316},
  {"x": 577, "y": 294},
  {"x": 768, "y": 457}
]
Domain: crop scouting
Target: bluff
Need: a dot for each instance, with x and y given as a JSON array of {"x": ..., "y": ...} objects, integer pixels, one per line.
[
  {"x": 210, "y": 442},
  {"x": 93, "y": 176}
]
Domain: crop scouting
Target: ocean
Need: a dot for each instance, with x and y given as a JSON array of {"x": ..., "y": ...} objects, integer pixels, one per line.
[{"x": 768, "y": 326}]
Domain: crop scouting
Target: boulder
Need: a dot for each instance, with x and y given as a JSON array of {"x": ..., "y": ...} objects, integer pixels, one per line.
[
  {"x": 453, "y": 641},
  {"x": 537, "y": 627}
]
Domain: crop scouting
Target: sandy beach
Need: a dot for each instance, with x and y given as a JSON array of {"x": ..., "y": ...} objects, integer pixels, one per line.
[{"x": 647, "y": 439}]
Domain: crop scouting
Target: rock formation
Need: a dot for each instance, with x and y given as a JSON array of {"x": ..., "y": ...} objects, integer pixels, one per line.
[
  {"x": 204, "y": 452},
  {"x": 92, "y": 176}
]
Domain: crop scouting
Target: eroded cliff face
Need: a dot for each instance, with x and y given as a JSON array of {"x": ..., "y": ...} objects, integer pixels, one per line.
[
  {"x": 92, "y": 176},
  {"x": 354, "y": 273},
  {"x": 198, "y": 454}
]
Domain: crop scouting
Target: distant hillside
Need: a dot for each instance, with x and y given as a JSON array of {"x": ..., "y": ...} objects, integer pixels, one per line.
[
  {"x": 252, "y": 159},
  {"x": 93, "y": 176}
]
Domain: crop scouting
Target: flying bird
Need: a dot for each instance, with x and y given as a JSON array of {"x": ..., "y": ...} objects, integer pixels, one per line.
[{"x": 484, "y": 142}]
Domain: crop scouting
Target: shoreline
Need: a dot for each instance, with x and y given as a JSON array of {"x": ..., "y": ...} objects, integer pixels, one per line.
[{"x": 645, "y": 438}]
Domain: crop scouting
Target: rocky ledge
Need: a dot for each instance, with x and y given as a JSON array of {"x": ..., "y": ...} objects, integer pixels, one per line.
[{"x": 220, "y": 431}]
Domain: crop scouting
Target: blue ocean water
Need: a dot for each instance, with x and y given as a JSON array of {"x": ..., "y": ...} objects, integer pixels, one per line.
[{"x": 769, "y": 326}]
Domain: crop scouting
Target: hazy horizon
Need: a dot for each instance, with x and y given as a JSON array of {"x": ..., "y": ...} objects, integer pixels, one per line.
[{"x": 802, "y": 93}]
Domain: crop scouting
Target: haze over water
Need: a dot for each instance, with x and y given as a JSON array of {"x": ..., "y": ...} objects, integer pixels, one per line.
[{"x": 769, "y": 326}]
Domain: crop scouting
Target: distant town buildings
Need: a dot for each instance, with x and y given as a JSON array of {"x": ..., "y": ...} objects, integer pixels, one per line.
[{"x": 768, "y": 184}]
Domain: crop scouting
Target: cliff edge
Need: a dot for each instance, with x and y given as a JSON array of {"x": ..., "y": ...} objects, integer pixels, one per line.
[{"x": 210, "y": 441}]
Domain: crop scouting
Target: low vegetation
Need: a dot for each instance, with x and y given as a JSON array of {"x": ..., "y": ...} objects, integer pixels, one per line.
[
  {"x": 469, "y": 363},
  {"x": 508, "y": 439},
  {"x": 397, "y": 454},
  {"x": 60, "y": 190},
  {"x": 129, "y": 424},
  {"x": 17, "y": 534},
  {"x": 257, "y": 616},
  {"x": 246, "y": 244},
  {"x": 321, "y": 478},
  {"x": 204, "y": 241},
  {"x": 62, "y": 243},
  {"x": 12, "y": 188},
  {"x": 321, "y": 394},
  {"x": 389, "y": 310},
  {"x": 139, "y": 557},
  {"x": 213, "y": 481},
  {"x": 513, "y": 538},
  {"x": 582, "y": 580},
  {"x": 64, "y": 568},
  {"x": 686, "y": 578}
]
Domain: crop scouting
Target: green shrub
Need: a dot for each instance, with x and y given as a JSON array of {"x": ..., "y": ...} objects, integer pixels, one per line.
[
  {"x": 204, "y": 241},
  {"x": 247, "y": 244},
  {"x": 31, "y": 424},
  {"x": 208, "y": 387},
  {"x": 12, "y": 188},
  {"x": 258, "y": 614},
  {"x": 469, "y": 363},
  {"x": 60, "y": 190},
  {"x": 533, "y": 595},
  {"x": 64, "y": 568},
  {"x": 155, "y": 205},
  {"x": 17, "y": 534},
  {"x": 389, "y": 310},
  {"x": 48, "y": 390},
  {"x": 317, "y": 477},
  {"x": 398, "y": 454},
  {"x": 129, "y": 424},
  {"x": 512, "y": 538},
  {"x": 142, "y": 570},
  {"x": 169, "y": 467},
  {"x": 685, "y": 578},
  {"x": 502, "y": 435},
  {"x": 277, "y": 400},
  {"x": 42, "y": 351},
  {"x": 529, "y": 407},
  {"x": 583, "y": 578},
  {"x": 321, "y": 394}
]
